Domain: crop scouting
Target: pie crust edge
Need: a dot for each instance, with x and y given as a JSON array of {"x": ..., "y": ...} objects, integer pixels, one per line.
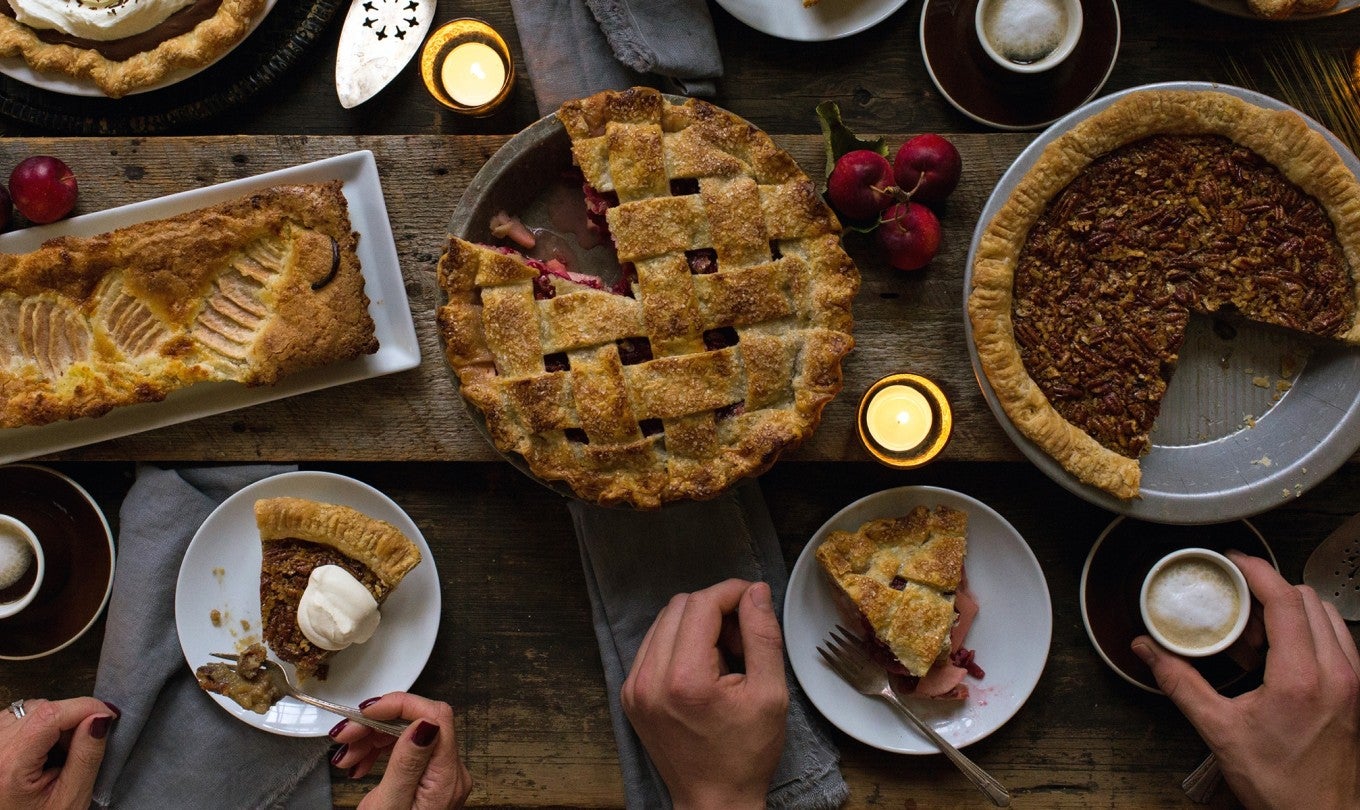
[
  {"x": 1282, "y": 137},
  {"x": 379, "y": 545}
]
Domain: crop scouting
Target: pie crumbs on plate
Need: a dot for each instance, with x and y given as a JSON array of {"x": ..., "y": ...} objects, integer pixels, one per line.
[{"x": 1163, "y": 205}]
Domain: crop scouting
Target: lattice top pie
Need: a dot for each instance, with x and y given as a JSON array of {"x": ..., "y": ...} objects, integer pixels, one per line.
[
  {"x": 722, "y": 351},
  {"x": 1165, "y": 204}
]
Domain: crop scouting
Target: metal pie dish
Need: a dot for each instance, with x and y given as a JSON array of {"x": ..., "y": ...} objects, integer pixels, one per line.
[{"x": 1223, "y": 447}]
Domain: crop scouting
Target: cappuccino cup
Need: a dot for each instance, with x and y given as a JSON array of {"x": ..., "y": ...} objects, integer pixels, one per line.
[
  {"x": 22, "y": 565},
  {"x": 1195, "y": 602}
]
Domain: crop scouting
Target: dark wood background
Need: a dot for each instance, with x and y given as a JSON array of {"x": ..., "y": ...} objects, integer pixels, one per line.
[{"x": 516, "y": 655}]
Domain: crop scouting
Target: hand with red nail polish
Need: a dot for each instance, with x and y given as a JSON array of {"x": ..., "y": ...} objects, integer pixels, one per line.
[
  {"x": 75, "y": 730},
  {"x": 1294, "y": 741},
  {"x": 423, "y": 767}
]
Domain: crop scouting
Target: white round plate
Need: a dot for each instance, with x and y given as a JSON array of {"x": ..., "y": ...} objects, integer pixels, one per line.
[
  {"x": 16, "y": 68},
  {"x": 829, "y": 19},
  {"x": 1207, "y": 463},
  {"x": 221, "y": 571},
  {"x": 1011, "y": 634}
]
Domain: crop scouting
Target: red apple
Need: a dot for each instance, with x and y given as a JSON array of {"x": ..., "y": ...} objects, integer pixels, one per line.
[
  {"x": 910, "y": 234},
  {"x": 860, "y": 184},
  {"x": 43, "y": 188},
  {"x": 928, "y": 168}
]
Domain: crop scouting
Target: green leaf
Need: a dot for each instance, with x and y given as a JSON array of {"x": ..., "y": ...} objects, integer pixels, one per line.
[{"x": 839, "y": 138}]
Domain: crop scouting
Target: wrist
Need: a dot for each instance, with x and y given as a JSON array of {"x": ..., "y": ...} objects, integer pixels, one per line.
[{"x": 716, "y": 797}]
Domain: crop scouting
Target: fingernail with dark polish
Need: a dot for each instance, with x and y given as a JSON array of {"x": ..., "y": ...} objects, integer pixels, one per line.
[
  {"x": 117, "y": 712},
  {"x": 425, "y": 733},
  {"x": 339, "y": 727},
  {"x": 369, "y": 702},
  {"x": 339, "y": 755},
  {"x": 99, "y": 727}
]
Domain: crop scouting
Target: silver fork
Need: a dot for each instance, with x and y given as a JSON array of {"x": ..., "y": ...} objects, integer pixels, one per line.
[
  {"x": 284, "y": 684},
  {"x": 845, "y": 655}
]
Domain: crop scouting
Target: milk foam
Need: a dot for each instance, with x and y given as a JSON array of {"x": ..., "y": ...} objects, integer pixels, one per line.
[{"x": 1193, "y": 603}]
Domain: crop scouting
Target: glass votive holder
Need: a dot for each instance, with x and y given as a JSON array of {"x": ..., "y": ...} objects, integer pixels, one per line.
[
  {"x": 467, "y": 67},
  {"x": 904, "y": 420}
]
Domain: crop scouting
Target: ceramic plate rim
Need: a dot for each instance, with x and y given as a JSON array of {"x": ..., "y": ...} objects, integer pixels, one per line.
[
  {"x": 803, "y": 631},
  {"x": 394, "y": 327},
  {"x": 15, "y": 67},
  {"x": 425, "y": 599},
  {"x": 747, "y": 12},
  {"x": 1238, "y": 502},
  {"x": 113, "y": 561}
]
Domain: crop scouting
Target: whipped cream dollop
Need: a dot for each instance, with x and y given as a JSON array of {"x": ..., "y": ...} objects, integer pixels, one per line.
[
  {"x": 336, "y": 610},
  {"x": 16, "y": 556},
  {"x": 100, "y": 20}
]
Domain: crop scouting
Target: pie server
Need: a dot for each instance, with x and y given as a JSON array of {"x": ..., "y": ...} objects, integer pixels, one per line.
[
  {"x": 1332, "y": 567},
  {"x": 378, "y": 39}
]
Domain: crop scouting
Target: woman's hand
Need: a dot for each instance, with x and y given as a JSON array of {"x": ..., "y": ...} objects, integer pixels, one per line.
[
  {"x": 714, "y": 735},
  {"x": 1295, "y": 740},
  {"x": 70, "y": 733},
  {"x": 423, "y": 770}
]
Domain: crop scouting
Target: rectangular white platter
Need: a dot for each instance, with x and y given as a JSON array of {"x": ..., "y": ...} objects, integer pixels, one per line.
[{"x": 388, "y": 305}]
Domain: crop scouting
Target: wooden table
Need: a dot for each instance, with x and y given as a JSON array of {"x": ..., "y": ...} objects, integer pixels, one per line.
[{"x": 516, "y": 654}]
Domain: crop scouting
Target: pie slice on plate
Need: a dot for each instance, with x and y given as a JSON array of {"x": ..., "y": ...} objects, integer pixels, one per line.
[
  {"x": 297, "y": 536},
  {"x": 1164, "y": 205}
]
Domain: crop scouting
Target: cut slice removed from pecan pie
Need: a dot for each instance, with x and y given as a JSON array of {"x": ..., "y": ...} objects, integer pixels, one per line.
[
  {"x": 716, "y": 354},
  {"x": 1164, "y": 205}
]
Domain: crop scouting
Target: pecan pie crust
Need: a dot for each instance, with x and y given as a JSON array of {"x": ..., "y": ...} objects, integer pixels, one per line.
[
  {"x": 116, "y": 78},
  {"x": 1037, "y": 344}
]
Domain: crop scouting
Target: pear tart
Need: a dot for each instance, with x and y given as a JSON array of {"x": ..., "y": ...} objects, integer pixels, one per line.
[
  {"x": 718, "y": 353},
  {"x": 1161, "y": 206},
  {"x": 122, "y": 46},
  {"x": 900, "y": 576},
  {"x": 247, "y": 291},
  {"x": 298, "y": 535}
]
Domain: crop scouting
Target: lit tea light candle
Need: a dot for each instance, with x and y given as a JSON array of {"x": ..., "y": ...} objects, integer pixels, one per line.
[
  {"x": 472, "y": 74},
  {"x": 467, "y": 67},
  {"x": 904, "y": 420}
]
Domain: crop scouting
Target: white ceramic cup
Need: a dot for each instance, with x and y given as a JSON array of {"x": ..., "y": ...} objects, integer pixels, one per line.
[
  {"x": 13, "y": 525},
  {"x": 1195, "y": 602},
  {"x": 1066, "y": 42}
]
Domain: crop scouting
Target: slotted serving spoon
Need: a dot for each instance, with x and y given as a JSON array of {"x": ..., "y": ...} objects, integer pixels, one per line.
[{"x": 1332, "y": 568}]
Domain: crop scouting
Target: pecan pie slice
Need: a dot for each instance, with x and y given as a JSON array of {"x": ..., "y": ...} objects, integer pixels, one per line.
[
  {"x": 297, "y": 536},
  {"x": 125, "y": 45},
  {"x": 720, "y": 353},
  {"x": 1163, "y": 205},
  {"x": 246, "y": 291}
]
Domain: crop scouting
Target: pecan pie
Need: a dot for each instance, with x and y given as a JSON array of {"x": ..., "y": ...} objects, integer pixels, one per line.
[
  {"x": 122, "y": 45},
  {"x": 1165, "y": 204},
  {"x": 723, "y": 348},
  {"x": 297, "y": 536},
  {"x": 248, "y": 291},
  {"x": 902, "y": 578}
]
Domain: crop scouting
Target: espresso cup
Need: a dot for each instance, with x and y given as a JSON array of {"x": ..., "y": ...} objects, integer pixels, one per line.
[
  {"x": 16, "y": 597},
  {"x": 1011, "y": 35},
  {"x": 1195, "y": 602}
]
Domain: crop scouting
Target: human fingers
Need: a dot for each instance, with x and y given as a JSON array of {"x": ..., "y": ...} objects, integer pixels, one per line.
[
  {"x": 696, "y": 640},
  {"x": 661, "y": 647},
  {"x": 1181, "y": 682},
  {"x": 1334, "y": 654},
  {"x": 74, "y": 786},
  {"x": 761, "y": 639},
  {"x": 1287, "y": 627},
  {"x": 1343, "y": 636},
  {"x": 410, "y": 758}
]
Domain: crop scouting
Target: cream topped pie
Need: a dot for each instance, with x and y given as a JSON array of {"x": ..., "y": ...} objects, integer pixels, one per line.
[
  {"x": 716, "y": 353},
  {"x": 122, "y": 45},
  {"x": 903, "y": 578},
  {"x": 247, "y": 291},
  {"x": 1163, "y": 205},
  {"x": 298, "y": 536}
]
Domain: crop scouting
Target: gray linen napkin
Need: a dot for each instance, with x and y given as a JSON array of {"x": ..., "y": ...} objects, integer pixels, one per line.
[
  {"x": 634, "y": 562},
  {"x": 576, "y": 47},
  {"x": 171, "y": 747}
]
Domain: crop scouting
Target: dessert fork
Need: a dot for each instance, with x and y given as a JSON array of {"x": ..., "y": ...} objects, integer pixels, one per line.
[
  {"x": 284, "y": 684},
  {"x": 842, "y": 651}
]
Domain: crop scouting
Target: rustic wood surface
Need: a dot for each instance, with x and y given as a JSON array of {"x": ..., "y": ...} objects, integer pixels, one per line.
[{"x": 516, "y": 654}]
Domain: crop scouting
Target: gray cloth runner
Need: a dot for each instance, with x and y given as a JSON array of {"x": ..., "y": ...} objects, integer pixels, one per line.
[
  {"x": 171, "y": 747},
  {"x": 576, "y": 47},
  {"x": 634, "y": 562}
]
